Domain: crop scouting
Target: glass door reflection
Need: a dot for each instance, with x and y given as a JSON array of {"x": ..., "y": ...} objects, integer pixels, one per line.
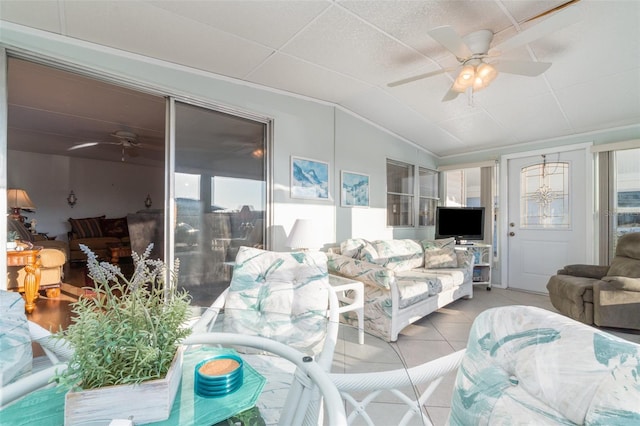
[{"x": 220, "y": 196}]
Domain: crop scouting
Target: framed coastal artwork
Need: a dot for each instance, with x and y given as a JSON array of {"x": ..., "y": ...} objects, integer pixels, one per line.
[
  {"x": 309, "y": 179},
  {"x": 354, "y": 189}
]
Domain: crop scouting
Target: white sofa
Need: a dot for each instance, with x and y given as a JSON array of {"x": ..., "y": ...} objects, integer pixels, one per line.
[{"x": 404, "y": 280}]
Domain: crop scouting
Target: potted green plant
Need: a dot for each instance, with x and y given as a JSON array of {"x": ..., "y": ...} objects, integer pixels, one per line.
[{"x": 126, "y": 341}]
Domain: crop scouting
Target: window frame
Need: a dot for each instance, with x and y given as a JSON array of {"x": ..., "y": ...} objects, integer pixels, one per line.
[{"x": 413, "y": 199}]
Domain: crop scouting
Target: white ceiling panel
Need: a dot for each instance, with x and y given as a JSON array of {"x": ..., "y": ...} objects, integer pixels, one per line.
[
  {"x": 477, "y": 130},
  {"x": 294, "y": 75},
  {"x": 141, "y": 28},
  {"x": 539, "y": 116},
  {"x": 339, "y": 41},
  {"x": 346, "y": 52},
  {"x": 44, "y": 15},
  {"x": 271, "y": 23},
  {"x": 608, "y": 101},
  {"x": 384, "y": 110},
  {"x": 410, "y": 21}
]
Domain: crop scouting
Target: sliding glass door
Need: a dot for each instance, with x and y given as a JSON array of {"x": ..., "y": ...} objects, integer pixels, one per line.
[
  {"x": 220, "y": 195},
  {"x": 625, "y": 198}
]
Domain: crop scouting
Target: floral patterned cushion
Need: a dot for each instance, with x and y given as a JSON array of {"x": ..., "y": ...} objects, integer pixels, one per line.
[
  {"x": 360, "y": 270},
  {"x": 16, "y": 354},
  {"x": 526, "y": 365},
  {"x": 398, "y": 255},
  {"x": 358, "y": 248},
  {"x": 440, "y": 253},
  {"x": 282, "y": 296}
]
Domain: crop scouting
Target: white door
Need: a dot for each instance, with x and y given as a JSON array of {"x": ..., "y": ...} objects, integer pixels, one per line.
[{"x": 547, "y": 215}]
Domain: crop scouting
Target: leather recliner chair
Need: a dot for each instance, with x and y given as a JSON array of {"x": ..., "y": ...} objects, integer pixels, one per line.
[{"x": 607, "y": 296}]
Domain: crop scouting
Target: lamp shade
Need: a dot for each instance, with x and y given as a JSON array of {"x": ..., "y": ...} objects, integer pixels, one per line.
[
  {"x": 19, "y": 199},
  {"x": 303, "y": 236}
]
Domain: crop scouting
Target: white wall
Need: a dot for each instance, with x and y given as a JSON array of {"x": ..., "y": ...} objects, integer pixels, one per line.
[
  {"x": 102, "y": 188},
  {"x": 302, "y": 127}
]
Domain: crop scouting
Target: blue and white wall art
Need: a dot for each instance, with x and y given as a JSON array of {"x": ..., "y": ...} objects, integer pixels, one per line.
[
  {"x": 309, "y": 179},
  {"x": 355, "y": 189}
]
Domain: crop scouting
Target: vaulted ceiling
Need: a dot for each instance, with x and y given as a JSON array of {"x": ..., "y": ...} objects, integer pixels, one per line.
[{"x": 346, "y": 52}]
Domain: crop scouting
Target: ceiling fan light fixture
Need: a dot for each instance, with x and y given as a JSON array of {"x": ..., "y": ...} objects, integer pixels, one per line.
[
  {"x": 485, "y": 74},
  {"x": 465, "y": 79}
]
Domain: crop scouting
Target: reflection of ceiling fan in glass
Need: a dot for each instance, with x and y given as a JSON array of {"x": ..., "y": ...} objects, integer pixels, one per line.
[{"x": 128, "y": 141}]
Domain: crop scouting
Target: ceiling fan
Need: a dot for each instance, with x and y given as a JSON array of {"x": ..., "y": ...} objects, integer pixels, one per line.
[
  {"x": 128, "y": 141},
  {"x": 476, "y": 56}
]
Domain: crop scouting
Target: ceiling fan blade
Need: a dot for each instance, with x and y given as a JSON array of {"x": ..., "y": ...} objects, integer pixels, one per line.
[
  {"x": 450, "y": 39},
  {"x": 450, "y": 95},
  {"x": 419, "y": 77},
  {"x": 83, "y": 145},
  {"x": 528, "y": 68},
  {"x": 553, "y": 23}
]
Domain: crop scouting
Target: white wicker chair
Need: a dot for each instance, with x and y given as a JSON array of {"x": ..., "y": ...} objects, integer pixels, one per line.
[
  {"x": 359, "y": 390},
  {"x": 57, "y": 352},
  {"x": 258, "y": 276}
]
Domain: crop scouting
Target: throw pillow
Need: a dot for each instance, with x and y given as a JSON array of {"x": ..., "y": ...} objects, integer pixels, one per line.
[
  {"x": 358, "y": 248},
  {"x": 17, "y": 226},
  {"x": 88, "y": 227},
  {"x": 440, "y": 253},
  {"x": 116, "y": 227}
]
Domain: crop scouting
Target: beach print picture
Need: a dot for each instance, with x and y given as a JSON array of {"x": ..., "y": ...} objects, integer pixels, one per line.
[
  {"x": 309, "y": 179},
  {"x": 355, "y": 189}
]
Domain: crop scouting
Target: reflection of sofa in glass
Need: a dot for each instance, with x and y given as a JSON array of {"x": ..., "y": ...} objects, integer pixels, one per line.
[{"x": 53, "y": 257}]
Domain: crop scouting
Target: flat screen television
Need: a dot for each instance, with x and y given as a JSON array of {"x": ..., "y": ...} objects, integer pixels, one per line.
[{"x": 463, "y": 223}]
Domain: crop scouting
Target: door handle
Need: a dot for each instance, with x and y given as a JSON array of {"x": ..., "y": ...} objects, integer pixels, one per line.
[{"x": 511, "y": 234}]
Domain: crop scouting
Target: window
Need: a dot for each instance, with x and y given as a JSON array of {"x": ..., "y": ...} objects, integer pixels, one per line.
[
  {"x": 545, "y": 196},
  {"x": 625, "y": 199},
  {"x": 462, "y": 188},
  {"x": 428, "y": 180},
  {"x": 475, "y": 187},
  {"x": 400, "y": 194}
]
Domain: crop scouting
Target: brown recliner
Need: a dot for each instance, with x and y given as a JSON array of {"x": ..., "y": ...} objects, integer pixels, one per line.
[{"x": 607, "y": 296}]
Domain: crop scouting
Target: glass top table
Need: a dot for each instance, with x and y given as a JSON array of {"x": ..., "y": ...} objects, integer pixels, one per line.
[{"x": 46, "y": 406}]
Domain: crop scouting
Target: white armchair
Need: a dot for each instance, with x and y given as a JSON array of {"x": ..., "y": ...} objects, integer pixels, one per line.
[
  {"x": 285, "y": 297},
  {"x": 522, "y": 365},
  {"x": 21, "y": 372}
]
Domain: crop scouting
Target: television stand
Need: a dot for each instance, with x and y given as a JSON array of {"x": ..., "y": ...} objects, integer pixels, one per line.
[{"x": 482, "y": 255}]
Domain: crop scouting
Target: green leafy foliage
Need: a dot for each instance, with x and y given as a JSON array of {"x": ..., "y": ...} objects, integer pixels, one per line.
[{"x": 130, "y": 331}]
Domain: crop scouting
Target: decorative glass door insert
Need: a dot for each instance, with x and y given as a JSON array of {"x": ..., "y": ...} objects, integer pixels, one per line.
[{"x": 544, "y": 197}]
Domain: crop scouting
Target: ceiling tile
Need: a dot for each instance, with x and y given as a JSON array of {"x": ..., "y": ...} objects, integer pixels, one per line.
[
  {"x": 603, "y": 103},
  {"x": 382, "y": 109},
  {"x": 296, "y": 76},
  {"x": 271, "y": 23},
  {"x": 410, "y": 21},
  {"x": 340, "y": 41},
  {"x": 477, "y": 130},
  {"x": 536, "y": 118},
  {"x": 141, "y": 28},
  {"x": 43, "y": 15}
]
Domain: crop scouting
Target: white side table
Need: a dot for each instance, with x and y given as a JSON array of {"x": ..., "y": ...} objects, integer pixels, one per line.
[{"x": 355, "y": 303}]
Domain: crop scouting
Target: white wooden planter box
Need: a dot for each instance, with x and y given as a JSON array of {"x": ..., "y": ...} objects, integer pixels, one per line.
[{"x": 146, "y": 402}]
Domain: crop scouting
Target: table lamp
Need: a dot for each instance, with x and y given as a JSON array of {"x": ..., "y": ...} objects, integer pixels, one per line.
[
  {"x": 18, "y": 199},
  {"x": 303, "y": 236}
]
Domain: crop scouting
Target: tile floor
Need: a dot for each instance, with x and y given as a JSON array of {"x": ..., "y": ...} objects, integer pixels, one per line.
[{"x": 440, "y": 333}]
